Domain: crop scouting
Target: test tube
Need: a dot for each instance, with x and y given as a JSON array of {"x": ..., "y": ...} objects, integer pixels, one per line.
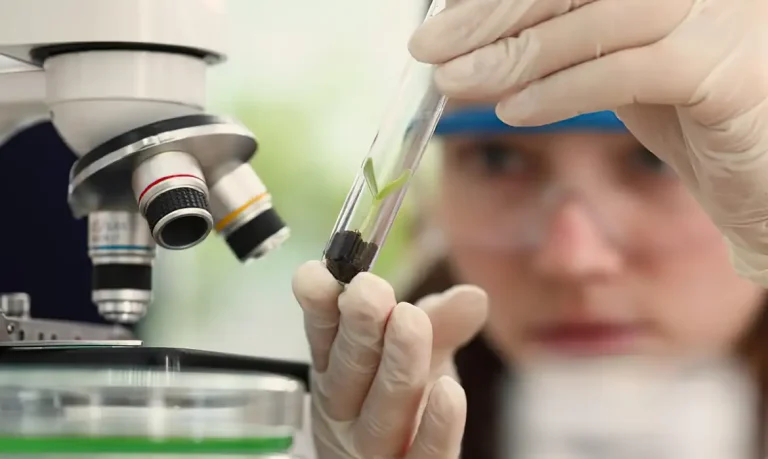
[{"x": 379, "y": 188}]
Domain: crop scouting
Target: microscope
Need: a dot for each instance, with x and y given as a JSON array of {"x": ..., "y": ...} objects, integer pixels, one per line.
[{"x": 124, "y": 85}]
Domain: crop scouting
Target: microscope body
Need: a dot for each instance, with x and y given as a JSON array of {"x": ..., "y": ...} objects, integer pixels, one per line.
[{"x": 124, "y": 85}]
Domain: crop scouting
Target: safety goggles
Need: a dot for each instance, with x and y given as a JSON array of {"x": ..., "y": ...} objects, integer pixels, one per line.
[{"x": 643, "y": 210}]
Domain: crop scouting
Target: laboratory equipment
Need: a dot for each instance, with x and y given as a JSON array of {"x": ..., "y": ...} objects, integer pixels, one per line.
[
  {"x": 124, "y": 85},
  {"x": 160, "y": 403},
  {"x": 69, "y": 389},
  {"x": 378, "y": 190}
]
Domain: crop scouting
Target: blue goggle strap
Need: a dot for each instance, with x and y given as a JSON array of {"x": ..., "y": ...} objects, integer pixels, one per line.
[{"x": 483, "y": 120}]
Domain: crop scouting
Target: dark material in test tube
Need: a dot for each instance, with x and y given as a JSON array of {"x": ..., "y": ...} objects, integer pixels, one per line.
[{"x": 348, "y": 255}]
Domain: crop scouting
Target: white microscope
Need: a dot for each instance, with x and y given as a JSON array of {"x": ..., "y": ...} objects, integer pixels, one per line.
[{"x": 124, "y": 84}]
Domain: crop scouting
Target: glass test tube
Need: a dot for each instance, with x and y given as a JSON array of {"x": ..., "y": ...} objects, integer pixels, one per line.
[{"x": 379, "y": 188}]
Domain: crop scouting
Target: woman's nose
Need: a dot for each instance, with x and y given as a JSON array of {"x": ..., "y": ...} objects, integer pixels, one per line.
[{"x": 572, "y": 245}]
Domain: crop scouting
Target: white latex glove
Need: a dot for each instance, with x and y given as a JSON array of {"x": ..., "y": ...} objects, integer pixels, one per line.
[
  {"x": 689, "y": 78},
  {"x": 383, "y": 371}
]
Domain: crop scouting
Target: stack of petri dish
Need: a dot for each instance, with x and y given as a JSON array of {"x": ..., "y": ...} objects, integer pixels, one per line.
[{"x": 60, "y": 412}]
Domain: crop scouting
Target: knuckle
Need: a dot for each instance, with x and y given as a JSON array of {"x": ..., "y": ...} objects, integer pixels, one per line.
[
  {"x": 321, "y": 319},
  {"x": 407, "y": 350},
  {"x": 410, "y": 328},
  {"x": 366, "y": 317},
  {"x": 488, "y": 70},
  {"x": 522, "y": 54},
  {"x": 432, "y": 449},
  {"x": 446, "y": 404},
  {"x": 402, "y": 380},
  {"x": 471, "y": 27},
  {"x": 359, "y": 352},
  {"x": 379, "y": 436},
  {"x": 380, "y": 426},
  {"x": 368, "y": 299}
]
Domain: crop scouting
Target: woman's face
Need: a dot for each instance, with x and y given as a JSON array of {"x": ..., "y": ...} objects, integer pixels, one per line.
[{"x": 587, "y": 245}]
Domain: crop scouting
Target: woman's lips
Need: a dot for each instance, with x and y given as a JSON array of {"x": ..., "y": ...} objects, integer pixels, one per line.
[{"x": 588, "y": 338}]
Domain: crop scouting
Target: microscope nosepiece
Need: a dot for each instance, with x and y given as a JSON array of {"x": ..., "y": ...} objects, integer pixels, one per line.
[
  {"x": 122, "y": 252},
  {"x": 242, "y": 208},
  {"x": 172, "y": 195}
]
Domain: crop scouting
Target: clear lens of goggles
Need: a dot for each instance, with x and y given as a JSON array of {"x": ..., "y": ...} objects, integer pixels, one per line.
[
  {"x": 609, "y": 188},
  {"x": 495, "y": 220}
]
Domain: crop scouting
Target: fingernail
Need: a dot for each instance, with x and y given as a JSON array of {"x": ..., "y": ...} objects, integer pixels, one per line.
[{"x": 516, "y": 110}]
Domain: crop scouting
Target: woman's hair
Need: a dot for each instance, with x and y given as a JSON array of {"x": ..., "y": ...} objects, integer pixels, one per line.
[
  {"x": 753, "y": 349},
  {"x": 483, "y": 374}
]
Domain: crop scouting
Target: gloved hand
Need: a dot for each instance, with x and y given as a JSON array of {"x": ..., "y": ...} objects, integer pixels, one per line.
[
  {"x": 382, "y": 370},
  {"x": 689, "y": 78}
]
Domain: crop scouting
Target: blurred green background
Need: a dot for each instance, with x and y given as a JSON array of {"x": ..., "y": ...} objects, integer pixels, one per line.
[{"x": 312, "y": 80}]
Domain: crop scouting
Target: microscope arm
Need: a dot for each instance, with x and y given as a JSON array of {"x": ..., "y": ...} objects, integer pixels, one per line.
[
  {"x": 22, "y": 98},
  {"x": 111, "y": 66}
]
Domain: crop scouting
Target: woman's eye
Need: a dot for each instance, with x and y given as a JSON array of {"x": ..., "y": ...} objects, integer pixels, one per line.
[
  {"x": 650, "y": 162},
  {"x": 499, "y": 159}
]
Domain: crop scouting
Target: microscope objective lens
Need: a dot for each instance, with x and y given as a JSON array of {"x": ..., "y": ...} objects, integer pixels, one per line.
[
  {"x": 122, "y": 252},
  {"x": 172, "y": 195},
  {"x": 242, "y": 209}
]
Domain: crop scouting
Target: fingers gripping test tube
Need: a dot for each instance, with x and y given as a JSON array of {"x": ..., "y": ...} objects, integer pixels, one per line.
[{"x": 379, "y": 188}]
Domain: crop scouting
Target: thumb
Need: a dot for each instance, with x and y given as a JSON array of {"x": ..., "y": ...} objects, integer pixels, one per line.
[{"x": 457, "y": 315}]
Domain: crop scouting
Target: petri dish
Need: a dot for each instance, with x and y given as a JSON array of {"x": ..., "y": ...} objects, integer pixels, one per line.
[{"x": 58, "y": 413}]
